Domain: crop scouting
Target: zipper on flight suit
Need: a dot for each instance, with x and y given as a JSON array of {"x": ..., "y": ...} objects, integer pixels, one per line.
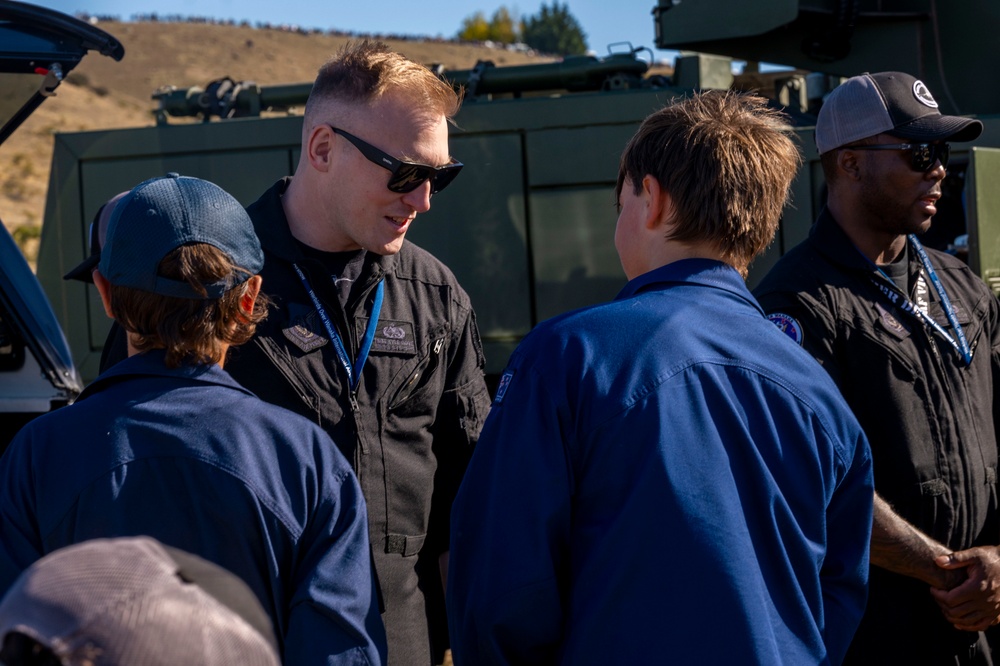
[
  {"x": 353, "y": 302},
  {"x": 423, "y": 369}
]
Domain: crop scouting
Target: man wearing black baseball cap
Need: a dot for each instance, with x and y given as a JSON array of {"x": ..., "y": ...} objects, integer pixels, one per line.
[
  {"x": 165, "y": 443},
  {"x": 912, "y": 337}
]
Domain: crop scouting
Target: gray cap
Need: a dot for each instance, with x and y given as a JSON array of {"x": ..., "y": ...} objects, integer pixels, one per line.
[
  {"x": 135, "y": 602},
  {"x": 891, "y": 103},
  {"x": 161, "y": 214}
]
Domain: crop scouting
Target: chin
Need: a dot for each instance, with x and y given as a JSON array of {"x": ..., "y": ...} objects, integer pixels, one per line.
[{"x": 389, "y": 249}]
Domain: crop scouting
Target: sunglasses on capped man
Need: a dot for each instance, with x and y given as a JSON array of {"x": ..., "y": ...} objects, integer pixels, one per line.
[
  {"x": 923, "y": 156},
  {"x": 406, "y": 176}
]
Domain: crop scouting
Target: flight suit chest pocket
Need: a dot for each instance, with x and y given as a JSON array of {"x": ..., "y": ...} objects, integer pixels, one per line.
[
  {"x": 892, "y": 322},
  {"x": 962, "y": 315}
]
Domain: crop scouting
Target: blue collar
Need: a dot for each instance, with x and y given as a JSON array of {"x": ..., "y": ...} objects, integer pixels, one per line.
[
  {"x": 151, "y": 364},
  {"x": 704, "y": 272}
]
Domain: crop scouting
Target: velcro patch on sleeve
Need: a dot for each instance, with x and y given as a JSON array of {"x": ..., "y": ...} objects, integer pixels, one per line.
[
  {"x": 503, "y": 386},
  {"x": 787, "y": 325}
]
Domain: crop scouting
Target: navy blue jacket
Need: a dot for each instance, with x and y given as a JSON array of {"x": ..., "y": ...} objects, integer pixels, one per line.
[
  {"x": 666, "y": 478},
  {"x": 193, "y": 459}
]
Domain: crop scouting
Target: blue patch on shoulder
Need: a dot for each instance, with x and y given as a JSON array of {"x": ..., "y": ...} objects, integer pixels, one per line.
[
  {"x": 788, "y": 325},
  {"x": 502, "y": 387}
]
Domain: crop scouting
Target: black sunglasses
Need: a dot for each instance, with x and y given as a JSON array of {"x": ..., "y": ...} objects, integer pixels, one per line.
[
  {"x": 406, "y": 176},
  {"x": 923, "y": 156}
]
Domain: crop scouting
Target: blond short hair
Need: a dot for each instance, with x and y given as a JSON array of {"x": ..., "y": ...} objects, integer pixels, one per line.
[{"x": 363, "y": 72}]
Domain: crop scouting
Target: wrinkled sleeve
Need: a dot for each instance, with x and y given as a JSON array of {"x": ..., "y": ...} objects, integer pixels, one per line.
[
  {"x": 334, "y": 616},
  {"x": 20, "y": 542},
  {"x": 844, "y": 574},
  {"x": 510, "y": 531},
  {"x": 461, "y": 413}
]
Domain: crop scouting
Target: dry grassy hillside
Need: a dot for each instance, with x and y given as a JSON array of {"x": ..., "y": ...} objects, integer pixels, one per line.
[{"x": 103, "y": 94}]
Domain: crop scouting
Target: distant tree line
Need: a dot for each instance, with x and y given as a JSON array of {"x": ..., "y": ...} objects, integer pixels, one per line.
[
  {"x": 552, "y": 30},
  {"x": 281, "y": 27}
]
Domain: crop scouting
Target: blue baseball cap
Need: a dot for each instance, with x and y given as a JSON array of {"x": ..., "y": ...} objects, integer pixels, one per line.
[{"x": 161, "y": 214}]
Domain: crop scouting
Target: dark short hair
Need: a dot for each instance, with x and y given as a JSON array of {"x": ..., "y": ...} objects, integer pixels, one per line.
[
  {"x": 727, "y": 161},
  {"x": 191, "y": 330}
]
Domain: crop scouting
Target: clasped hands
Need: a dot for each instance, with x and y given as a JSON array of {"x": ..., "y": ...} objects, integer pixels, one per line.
[{"x": 970, "y": 596}]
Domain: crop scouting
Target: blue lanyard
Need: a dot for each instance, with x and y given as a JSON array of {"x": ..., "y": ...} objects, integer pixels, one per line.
[
  {"x": 961, "y": 345},
  {"x": 353, "y": 371}
]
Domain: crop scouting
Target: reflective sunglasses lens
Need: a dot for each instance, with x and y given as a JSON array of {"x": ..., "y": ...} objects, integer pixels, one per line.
[
  {"x": 944, "y": 153},
  {"x": 444, "y": 176},
  {"x": 926, "y": 155},
  {"x": 409, "y": 177}
]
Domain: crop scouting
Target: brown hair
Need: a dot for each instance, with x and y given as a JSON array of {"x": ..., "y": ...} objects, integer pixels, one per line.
[
  {"x": 727, "y": 161},
  {"x": 362, "y": 72},
  {"x": 191, "y": 330}
]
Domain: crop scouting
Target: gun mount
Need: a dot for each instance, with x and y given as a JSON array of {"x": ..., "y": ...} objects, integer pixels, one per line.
[{"x": 225, "y": 98}]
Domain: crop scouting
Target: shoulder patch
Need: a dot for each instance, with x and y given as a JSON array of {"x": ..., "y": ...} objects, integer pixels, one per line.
[
  {"x": 787, "y": 325},
  {"x": 503, "y": 385}
]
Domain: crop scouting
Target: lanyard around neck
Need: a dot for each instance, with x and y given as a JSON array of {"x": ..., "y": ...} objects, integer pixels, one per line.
[
  {"x": 353, "y": 370},
  {"x": 958, "y": 342}
]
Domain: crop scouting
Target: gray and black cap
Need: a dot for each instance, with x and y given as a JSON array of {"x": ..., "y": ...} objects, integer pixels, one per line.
[{"x": 893, "y": 103}]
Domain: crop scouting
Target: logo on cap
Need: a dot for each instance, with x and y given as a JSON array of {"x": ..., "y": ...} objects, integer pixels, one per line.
[{"x": 923, "y": 94}]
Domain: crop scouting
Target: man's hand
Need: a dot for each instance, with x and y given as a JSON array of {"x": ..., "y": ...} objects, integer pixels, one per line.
[
  {"x": 900, "y": 547},
  {"x": 975, "y": 604}
]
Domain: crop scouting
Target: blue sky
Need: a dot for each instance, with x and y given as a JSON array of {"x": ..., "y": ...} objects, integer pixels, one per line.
[{"x": 603, "y": 21}]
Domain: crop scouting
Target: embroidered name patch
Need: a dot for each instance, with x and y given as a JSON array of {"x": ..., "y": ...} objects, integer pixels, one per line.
[
  {"x": 787, "y": 325},
  {"x": 391, "y": 337},
  {"x": 502, "y": 387}
]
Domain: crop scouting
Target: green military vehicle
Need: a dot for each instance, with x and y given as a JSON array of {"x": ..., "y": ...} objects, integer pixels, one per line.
[{"x": 528, "y": 226}]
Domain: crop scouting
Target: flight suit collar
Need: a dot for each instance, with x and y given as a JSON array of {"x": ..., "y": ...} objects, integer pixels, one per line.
[
  {"x": 703, "y": 272},
  {"x": 152, "y": 364}
]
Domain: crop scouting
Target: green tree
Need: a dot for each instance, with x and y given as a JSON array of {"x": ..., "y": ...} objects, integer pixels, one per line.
[
  {"x": 475, "y": 28},
  {"x": 503, "y": 27},
  {"x": 555, "y": 30}
]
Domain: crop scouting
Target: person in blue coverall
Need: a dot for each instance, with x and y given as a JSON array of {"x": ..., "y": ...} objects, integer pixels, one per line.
[
  {"x": 167, "y": 444},
  {"x": 664, "y": 478}
]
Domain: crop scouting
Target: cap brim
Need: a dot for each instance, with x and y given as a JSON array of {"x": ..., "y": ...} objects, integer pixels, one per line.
[
  {"x": 84, "y": 272},
  {"x": 939, "y": 128}
]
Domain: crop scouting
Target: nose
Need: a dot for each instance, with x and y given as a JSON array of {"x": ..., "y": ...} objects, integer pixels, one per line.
[
  {"x": 937, "y": 172},
  {"x": 419, "y": 199}
]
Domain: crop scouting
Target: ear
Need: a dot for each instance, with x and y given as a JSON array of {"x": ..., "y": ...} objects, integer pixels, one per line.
[
  {"x": 659, "y": 205},
  {"x": 847, "y": 162},
  {"x": 249, "y": 298},
  {"x": 319, "y": 147},
  {"x": 104, "y": 289}
]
